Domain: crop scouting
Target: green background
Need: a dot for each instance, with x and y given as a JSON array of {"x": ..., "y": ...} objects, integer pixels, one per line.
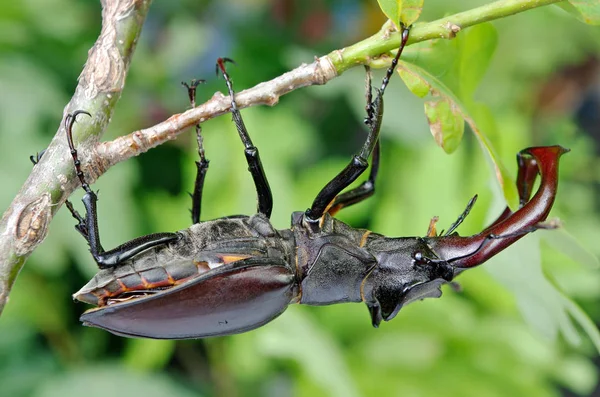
[{"x": 506, "y": 333}]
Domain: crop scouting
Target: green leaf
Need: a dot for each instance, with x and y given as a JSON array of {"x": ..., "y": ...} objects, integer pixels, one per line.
[
  {"x": 454, "y": 70},
  {"x": 447, "y": 134},
  {"x": 562, "y": 241},
  {"x": 587, "y": 11},
  {"x": 460, "y": 64},
  {"x": 405, "y": 11},
  {"x": 420, "y": 81},
  {"x": 542, "y": 304},
  {"x": 415, "y": 83},
  {"x": 411, "y": 11},
  {"x": 391, "y": 9},
  {"x": 296, "y": 337},
  {"x": 585, "y": 322},
  {"x": 476, "y": 48}
]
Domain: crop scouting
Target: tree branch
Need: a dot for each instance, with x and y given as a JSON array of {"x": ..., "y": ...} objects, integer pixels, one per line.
[
  {"x": 317, "y": 73},
  {"x": 24, "y": 224}
]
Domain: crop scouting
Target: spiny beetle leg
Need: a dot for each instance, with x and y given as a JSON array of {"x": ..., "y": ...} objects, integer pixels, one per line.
[
  {"x": 368, "y": 95},
  {"x": 263, "y": 191},
  {"x": 367, "y": 188},
  {"x": 89, "y": 228},
  {"x": 462, "y": 217},
  {"x": 359, "y": 162},
  {"x": 202, "y": 165}
]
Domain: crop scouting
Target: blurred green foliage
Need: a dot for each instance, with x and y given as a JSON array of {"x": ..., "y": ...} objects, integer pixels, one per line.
[{"x": 507, "y": 333}]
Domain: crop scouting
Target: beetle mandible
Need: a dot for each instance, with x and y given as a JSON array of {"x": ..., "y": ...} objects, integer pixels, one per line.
[{"x": 236, "y": 273}]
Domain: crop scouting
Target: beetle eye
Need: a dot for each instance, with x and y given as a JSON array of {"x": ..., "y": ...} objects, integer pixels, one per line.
[{"x": 418, "y": 256}]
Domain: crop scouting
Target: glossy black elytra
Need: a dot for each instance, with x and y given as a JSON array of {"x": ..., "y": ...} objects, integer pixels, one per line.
[{"x": 237, "y": 273}]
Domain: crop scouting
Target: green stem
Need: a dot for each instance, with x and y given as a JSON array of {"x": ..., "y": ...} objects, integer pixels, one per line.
[{"x": 445, "y": 28}]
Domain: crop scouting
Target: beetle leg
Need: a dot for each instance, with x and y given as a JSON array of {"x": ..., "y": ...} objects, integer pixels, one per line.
[
  {"x": 202, "y": 165},
  {"x": 265, "y": 197},
  {"x": 359, "y": 162},
  {"x": 88, "y": 227},
  {"x": 462, "y": 216},
  {"x": 367, "y": 188}
]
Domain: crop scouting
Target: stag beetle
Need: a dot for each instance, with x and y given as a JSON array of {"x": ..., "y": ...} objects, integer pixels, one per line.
[{"x": 237, "y": 273}]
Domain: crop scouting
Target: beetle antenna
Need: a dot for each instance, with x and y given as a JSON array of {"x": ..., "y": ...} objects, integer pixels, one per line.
[{"x": 462, "y": 216}]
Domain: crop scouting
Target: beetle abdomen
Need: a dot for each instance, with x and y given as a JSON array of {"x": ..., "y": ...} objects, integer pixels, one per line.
[
  {"x": 130, "y": 278},
  {"x": 202, "y": 248},
  {"x": 235, "y": 298}
]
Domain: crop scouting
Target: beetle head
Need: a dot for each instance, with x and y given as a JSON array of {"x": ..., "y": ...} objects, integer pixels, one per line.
[
  {"x": 412, "y": 269},
  {"x": 408, "y": 270}
]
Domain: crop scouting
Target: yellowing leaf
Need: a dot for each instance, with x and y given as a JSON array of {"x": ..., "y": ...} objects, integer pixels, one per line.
[
  {"x": 443, "y": 126},
  {"x": 445, "y": 122}
]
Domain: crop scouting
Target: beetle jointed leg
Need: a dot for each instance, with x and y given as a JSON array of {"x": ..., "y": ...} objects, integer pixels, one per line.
[
  {"x": 263, "y": 190},
  {"x": 202, "y": 165},
  {"x": 359, "y": 162},
  {"x": 367, "y": 188},
  {"x": 89, "y": 228},
  {"x": 461, "y": 217}
]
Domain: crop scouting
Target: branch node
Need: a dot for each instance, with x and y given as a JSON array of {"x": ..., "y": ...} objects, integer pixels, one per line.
[
  {"x": 452, "y": 29},
  {"x": 325, "y": 70},
  {"x": 32, "y": 224}
]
